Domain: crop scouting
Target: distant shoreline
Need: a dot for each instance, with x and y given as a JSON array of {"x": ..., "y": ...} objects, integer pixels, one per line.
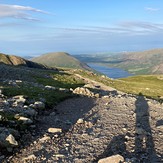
[{"x": 111, "y": 72}]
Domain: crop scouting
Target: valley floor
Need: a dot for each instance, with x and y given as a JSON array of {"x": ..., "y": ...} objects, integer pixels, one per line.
[{"x": 95, "y": 128}]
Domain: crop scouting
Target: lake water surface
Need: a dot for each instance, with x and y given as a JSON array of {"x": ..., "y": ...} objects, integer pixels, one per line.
[{"x": 111, "y": 72}]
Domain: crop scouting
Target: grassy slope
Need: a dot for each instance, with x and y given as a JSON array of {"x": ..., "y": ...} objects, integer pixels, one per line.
[
  {"x": 60, "y": 59},
  {"x": 148, "y": 85}
]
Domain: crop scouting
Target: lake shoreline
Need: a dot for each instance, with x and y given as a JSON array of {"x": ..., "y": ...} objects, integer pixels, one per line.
[{"x": 110, "y": 72}]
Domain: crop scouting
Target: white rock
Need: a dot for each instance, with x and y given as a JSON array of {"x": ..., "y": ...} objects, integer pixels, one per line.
[
  {"x": 30, "y": 157},
  {"x": 55, "y": 130},
  {"x": 25, "y": 120},
  {"x": 12, "y": 140},
  {"x": 48, "y": 87},
  {"x": 80, "y": 121},
  {"x": 44, "y": 139},
  {"x": 112, "y": 159}
]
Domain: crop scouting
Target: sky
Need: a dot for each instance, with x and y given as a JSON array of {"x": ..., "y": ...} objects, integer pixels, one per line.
[{"x": 35, "y": 27}]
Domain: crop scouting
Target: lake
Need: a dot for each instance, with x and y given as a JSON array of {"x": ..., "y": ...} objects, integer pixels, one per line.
[{"x": 111, "y": 72}]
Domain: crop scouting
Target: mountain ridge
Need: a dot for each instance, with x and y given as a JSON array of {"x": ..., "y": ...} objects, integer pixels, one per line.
[
  {"x": 138, "y": 63},
  {"x": 19, "y": 61}
]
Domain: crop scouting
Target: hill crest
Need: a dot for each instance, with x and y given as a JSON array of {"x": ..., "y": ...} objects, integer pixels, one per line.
[
  {"x": 18, "y": 61},
  {"x": 60, "y": 59}
]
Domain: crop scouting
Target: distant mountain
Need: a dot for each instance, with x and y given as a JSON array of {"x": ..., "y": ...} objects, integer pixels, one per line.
[
  {"x": 145, "y": 62},
  {"x": 60, "y": 59},
  {"x": 18, "y": 61}
]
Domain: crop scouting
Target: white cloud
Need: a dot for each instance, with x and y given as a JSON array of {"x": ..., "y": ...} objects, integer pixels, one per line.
[
  {"x": 19, "y": 12},
  {"x": 145, "y": 26},
  {"x": 152, "y": 9}
]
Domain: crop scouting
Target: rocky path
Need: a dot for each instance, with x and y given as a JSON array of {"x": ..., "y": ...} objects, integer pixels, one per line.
[{"x": 95, "y": 128}]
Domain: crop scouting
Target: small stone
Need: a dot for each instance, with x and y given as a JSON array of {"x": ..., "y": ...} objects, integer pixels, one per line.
[
  {"x": 25, "y": 120},
  {"x": 59, "y": 155},
  {"x": 127, "y": 137},
  {"x": 124, "y": 129},
  {"x": 12, "y": 140},
  {"x": 45, "y": 138},
  {"x": 112, "y": 159},
  {"x": 80, "y": 121},
  {"x": 30, "y": 157},
  {"x": 39, "y": 105},
  {"x": 54, "y": 130},
  {"x": 67, "y": 145}
]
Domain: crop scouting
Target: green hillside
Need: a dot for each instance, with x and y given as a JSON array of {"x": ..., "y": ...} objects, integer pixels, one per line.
[{"x": 60, "y": 59}]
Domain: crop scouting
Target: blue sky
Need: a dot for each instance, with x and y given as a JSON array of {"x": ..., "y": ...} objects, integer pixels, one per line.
[{"x": 29, "y": 27}]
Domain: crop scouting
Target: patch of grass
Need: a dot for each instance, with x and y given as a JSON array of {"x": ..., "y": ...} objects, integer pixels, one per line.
[
  {"x": 45, "y": 77},
  {"x": 52, "y": 97},
  {"x": 148, "y": 85},
  {"x": 61, "y": 80}
]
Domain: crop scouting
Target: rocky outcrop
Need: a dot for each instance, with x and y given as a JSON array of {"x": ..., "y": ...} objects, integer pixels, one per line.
[
  {"x": 85, "y": 92},
  {"x": 18, "y": 61}
]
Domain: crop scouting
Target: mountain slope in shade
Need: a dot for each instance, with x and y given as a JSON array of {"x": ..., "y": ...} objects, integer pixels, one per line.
[
  {"x": 60, "y": 59},
  {"x": 18, "y": 61}
]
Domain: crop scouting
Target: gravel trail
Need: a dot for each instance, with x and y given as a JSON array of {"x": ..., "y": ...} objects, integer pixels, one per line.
[{"x": 94, "y": 128}]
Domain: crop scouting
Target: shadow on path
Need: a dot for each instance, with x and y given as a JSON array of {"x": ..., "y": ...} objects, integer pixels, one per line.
[
  {"x": 144, "y": 144},
  {"x": 144, "y": 147}
]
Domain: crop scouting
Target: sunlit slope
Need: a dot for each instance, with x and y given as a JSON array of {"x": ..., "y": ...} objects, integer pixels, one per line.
[{"x": 60, "y": 59}]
